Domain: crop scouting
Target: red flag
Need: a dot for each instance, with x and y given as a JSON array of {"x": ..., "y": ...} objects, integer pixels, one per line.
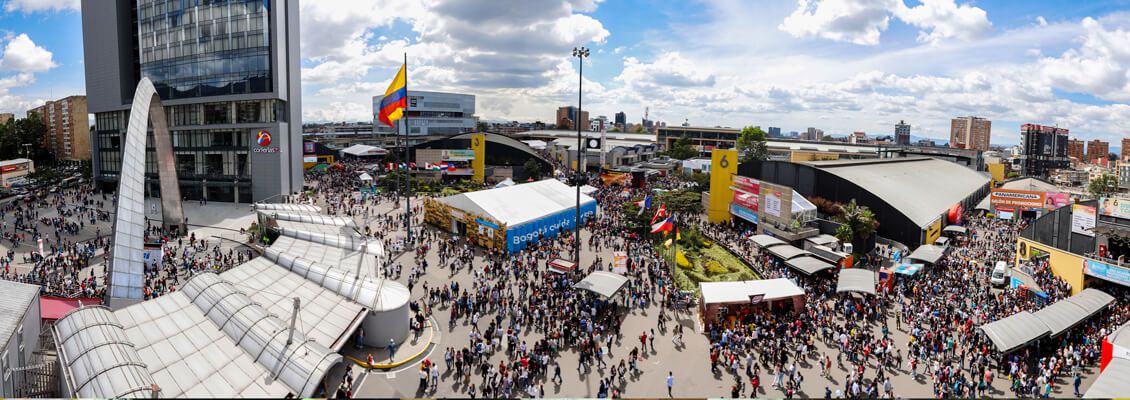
[{"x": 659, "y": 213}]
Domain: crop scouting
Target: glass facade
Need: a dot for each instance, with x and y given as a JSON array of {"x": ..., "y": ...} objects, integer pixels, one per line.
[{"x": 199, "y": 48}]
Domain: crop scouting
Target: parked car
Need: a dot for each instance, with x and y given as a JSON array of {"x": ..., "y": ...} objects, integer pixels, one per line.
[{"x": 999, "y": 275}]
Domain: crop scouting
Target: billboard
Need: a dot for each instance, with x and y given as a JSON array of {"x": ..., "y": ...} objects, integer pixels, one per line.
[
  {"x": 1083, "y": 220},
  {"x": 746, "y": 184},
  {"x": 1106, "y": 272},
  {"x": 307, "y": 147},
  {"x": 620, "y": 262},
  {"x": 457, "y": 155},
  {"x": 1016, "y": 198},
  {"x": 1115, "y": 207},
  {"x": 746, "y": 192},
  {"x": 1056, "y": 200}
]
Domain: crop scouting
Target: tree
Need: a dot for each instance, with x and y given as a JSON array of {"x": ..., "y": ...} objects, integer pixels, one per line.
[
  {"x": 682, "y": 149},
  {"x": 682, "y": 201},
  {"x": 1103, "y": 185},
  {"x": 481, "y": 126},
  {"x": 639, "y": 129},
  {"x": 533, "y": 169},
  {"x": 858, "y": 224},
  {"x": 752, "y": 144},
  {"x": 614, "y": 130},
  {"x": 701, "y": 181},
  {"x": 827, "y": 138}
]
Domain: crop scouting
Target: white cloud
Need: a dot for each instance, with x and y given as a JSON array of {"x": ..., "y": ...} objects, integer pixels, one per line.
[
  {"x": 855, "y": 21},
  {"x": 863, "y": 21},
  {"x": 1041, "y": 21},
  {"x": 944, "y": 19},
  {"x": 31, "y": 6},
  {"x": 23, "y": 55},
  {"x": 1100, "y": 67}
]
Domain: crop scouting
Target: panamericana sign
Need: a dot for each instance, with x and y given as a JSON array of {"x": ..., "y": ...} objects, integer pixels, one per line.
[{"x": 1017, "y": 198}]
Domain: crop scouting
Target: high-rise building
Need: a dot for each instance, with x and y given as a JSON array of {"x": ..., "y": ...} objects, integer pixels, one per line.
[
  {"x": 1075, "y": 149},
  {"x": 1045, "y": 149},
  {"x": 68, "y": 127},
  {"x": 567, "y": 117},
  {"x": 1097, "y": 151},
  {"x": 902, "y": 133},
  {"x": 431, "y": 114},
  {"x": 5, "y": 117},
  {"x": 970, "y": 133},
  {"x": 621, "y": 120},
  {"x": 598, "y": 124},
  {"x": 774, "y": 131},
  {"x": 227, "y": 72},
  {"x": 1124, "y": 151},
  {"x": 813, "y": 134}
]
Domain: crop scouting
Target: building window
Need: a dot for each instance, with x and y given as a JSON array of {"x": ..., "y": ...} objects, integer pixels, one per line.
[
  {"x": 249, "y": 111},
  {"x": 217, "y": 113}
]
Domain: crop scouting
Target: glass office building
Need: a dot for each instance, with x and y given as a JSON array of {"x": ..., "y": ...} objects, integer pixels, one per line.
[{"x": 227, "y": 72}]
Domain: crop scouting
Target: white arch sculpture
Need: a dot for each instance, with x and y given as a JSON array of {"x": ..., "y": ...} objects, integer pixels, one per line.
[{"x": 127, "y": 266}]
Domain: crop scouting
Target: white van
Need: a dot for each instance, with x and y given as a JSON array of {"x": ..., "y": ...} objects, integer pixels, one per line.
[{"x": 1000, "y": 274}]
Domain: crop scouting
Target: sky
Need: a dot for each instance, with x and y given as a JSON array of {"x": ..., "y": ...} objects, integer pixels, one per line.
[{"x": 838, "y": 65}]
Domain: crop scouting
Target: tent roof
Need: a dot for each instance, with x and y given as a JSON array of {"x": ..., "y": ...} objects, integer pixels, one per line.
[
  {"x": 603, "y": 283},
  {"x": 290, "y": 207},
  {"x": 786, "y": 252},
  {"x": 1112, "y": 382},
  {"x": 1121, "y": 337},
  {"x": 764, "y": 241},
  {"x": 1017, "y": 330},
  {"x": 364, "y": 150},
  {"x": 365, "y": 176},
  {"x": 856, "y": 280},
  {"x": 739, "y": 292},
  {"x": 1064, "y": 314},
  {"x": 57, "y": 307},
  {"x": 928, "y": 253},
  {"x": 518, "y": 204},
  {"x": 809, "y": 265},
  {"x": 921, "y": 188},
  {"x": 956, "y": 229}
]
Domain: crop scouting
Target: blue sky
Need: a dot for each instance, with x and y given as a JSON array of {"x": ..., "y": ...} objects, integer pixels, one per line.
[{"x": 839, "y": 65}]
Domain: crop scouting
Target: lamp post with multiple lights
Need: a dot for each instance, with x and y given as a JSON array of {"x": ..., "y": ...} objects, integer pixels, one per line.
[{"x": 581, "y": 53}]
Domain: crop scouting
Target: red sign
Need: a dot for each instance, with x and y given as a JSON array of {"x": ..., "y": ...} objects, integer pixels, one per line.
[
  {"x": 746, "y": 192},
  {"x": 9, "y": 168}
]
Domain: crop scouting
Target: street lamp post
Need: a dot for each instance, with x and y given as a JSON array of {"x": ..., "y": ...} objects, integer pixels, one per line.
[{"x": 581, "y": 53}]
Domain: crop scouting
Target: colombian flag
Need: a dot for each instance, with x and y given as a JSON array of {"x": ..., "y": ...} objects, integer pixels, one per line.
[{"x": 396, "y": 98}]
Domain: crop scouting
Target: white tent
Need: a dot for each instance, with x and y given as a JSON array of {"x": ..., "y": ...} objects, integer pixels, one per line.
[
  {"x": 363, "y": 150},
  {"x": 365, "y": 177},
  {"x": 518, "y": 204}
]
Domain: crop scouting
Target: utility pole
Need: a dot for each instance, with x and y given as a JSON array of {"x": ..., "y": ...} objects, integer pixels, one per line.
[{"x": 580, "y": 53}]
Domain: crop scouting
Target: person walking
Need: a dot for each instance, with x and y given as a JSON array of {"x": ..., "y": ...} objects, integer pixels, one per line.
[
  {"x": 391, "y": 349},
  {"x": 670, "y": 383}
]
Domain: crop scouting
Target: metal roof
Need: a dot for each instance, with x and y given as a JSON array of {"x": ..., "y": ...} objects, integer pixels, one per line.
[
  {"x": 740, "y": 292},
  {"x": 956, "y": 229},
  {"x": 809, "y": 265},
  {"x": 369, "y": 291},
  {"x": 603, "y": 283},
  {"x": 303, "y": 208},
  {"x": 1112, "y": 382},
  {"x": 786, "y": 252},
  {"x": 1064, "y": 314},
  {"x": 928, "y": 253},
  {"x": 309, "y": 229},
  {"x": 764, "y": 241},
  {"x": 921, "y": 188},
  {"x": 1017, "y": 330},
  {"x": 350, "y": 258},
  {"x": 856, "y": 280},
  {"x": 14, "y": 305}
]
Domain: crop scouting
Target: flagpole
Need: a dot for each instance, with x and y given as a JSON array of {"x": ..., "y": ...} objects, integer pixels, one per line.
[{"x": 408, "y": 174}]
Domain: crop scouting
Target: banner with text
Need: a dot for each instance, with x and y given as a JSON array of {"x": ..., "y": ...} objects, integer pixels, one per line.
[{"x": 1083, "y": 220}]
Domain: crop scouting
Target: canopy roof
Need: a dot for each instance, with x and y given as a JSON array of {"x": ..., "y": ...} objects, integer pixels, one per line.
[
  {"x": 823, "y": 239},
  {"x": 518, "y": 204},
  {"x": 956, "y": 229},
  {"x": 365, "y": 176},
  {"x": 740, "y": 292},
  {"x": 786, "y": 252},
  {"x": 809, "y": 265},
  {"x": 57, "y": 307},
  {"x": 1064, "y": 314},
  {"x": 364, "y": 150},
  {"x": 921, "y": 188},
  {"x": 1112, "y": 382},
  {"x": 928, "y": 253},
  {"x": 856, "y": 280},
  {"x": 603, "y": 283},
  {"x": 764, "y": 241},
  {"x": 289, "y": 207},
  {"x": 1017, "y": 330}
]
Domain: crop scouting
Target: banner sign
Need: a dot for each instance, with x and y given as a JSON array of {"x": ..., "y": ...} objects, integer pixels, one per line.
[
  {"x": 1083, "y": 220},
  {"x": 152, "y": 256},
  {"x": 310, "y": 159},
  {"x": 746, "y": 184},
  {"x": 773, "y": 202},
  {"x": 1115, "y": 207},
  {"x": 1106, "y": 272},
  {"x": 620, "y": 262},
  {"x": 308, "y": 147},
  {"x": 1056, "y": 200},
  {"x": 457, "y": 155},
  {"x": 744, "y": 213},
  {"x": 1017, "y": 198},
  {"x": 616, "y": 178}
]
